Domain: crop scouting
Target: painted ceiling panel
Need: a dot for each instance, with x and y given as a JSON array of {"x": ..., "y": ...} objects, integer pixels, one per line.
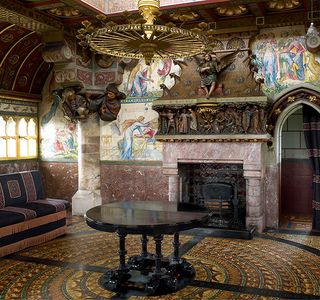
[
  {"x": 40, "y": 77},
  {"x": 20, "y": 58},
  {"x": 25, "y": 75}
]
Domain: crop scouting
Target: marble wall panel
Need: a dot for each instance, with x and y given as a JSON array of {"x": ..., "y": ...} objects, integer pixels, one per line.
[
  {"x": 60, "y": 179},
  {"x": 18, "y": 166},
  {"x": 272, "y": 196},
  {"x": 133, "y": 182}
]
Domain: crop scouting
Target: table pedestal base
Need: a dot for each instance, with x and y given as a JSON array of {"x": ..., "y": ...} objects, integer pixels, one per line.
[{"x": 140, "y": 276}]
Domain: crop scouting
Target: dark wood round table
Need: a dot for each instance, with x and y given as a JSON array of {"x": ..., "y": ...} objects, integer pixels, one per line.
[{"x": 148, "y": 273}]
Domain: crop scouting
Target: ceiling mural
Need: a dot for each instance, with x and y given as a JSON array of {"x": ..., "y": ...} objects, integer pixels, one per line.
[{"x": 22, "y": 68}]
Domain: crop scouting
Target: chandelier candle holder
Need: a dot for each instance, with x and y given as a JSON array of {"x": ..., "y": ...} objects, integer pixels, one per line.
[{"x": 146, "y": 41}]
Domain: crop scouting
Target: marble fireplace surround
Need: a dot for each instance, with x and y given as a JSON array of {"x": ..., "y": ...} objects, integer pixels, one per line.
[{"x": 249, "y": 154}]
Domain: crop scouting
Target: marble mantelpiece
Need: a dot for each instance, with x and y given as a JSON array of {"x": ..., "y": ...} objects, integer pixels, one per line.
[{"x": 250, "y": 155}]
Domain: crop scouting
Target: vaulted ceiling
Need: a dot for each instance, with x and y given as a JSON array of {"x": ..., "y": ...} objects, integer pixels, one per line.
[{"x": 25, "y": 25}]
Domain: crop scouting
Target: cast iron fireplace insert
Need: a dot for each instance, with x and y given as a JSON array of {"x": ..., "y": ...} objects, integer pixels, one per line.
[{"x": 218, "y": 186}]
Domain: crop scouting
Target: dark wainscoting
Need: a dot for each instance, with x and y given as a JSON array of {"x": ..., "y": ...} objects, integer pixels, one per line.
[
  {"x": 60, "y": 179},
  {"x": 140, "y": 181}
]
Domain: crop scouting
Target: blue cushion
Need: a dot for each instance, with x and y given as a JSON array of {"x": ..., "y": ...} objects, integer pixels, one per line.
[
  {"x": 9, "y": 218},
  {"x": 12, "y": 190},
  {"x": 19, "y": 188}
]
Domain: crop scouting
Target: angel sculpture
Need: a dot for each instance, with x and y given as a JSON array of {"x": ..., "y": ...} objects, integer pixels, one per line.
[{"x": 210, "y": 68}]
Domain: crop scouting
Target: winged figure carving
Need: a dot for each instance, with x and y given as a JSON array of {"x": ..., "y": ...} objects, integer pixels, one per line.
[{"x": 210, "y": 66}]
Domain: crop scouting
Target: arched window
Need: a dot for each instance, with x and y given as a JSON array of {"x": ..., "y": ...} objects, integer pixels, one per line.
[
  {"x": 18, "y": 137},
  {"x": 2, "y": 127}
]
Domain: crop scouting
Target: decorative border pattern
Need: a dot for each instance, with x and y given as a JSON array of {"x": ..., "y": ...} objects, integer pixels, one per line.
[
  {"x": 2, "y": 200},
  {"x": 316, "y": 205},
  {"x": 29, "y": 186},
  {"x": 14, "y": 189}
]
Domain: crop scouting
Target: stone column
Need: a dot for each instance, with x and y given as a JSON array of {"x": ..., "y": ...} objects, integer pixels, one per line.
[
  {"x": 174, "y": 182},
  {"x": 174, "y": 188},
  {"x": 88, "y": 194},
  {"x": 254, "y": 199}
]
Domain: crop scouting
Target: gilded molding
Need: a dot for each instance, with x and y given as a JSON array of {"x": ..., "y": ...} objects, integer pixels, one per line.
[{"x": 15, "y": 13}]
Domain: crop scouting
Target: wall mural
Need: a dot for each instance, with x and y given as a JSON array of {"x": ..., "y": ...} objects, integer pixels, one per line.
[
  {"x": 132, "y": 135},
  {"x": 283, "y": 59},
  {"x": 59, "y": 141},
  {"x": 144, "y": 81}
]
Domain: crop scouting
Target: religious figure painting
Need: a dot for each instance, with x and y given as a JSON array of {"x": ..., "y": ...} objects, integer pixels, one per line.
[
  {"x": 284, "y": 60},
  {"x": 59, "y": 142},
  {"x": 145, "y": 80},
  {"x": 132, "y": 135},
  {"x": 58, "y": 136}
]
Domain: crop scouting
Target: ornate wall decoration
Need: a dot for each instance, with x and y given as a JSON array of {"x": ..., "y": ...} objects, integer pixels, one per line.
[
  {"x": 210, "y": 119},
  {"x": 84, "y": 76},
  {"x": 104, "y": 77},
  {"x": 21, "y": 108},
  {"x": 287, "y": 101},
  {"x": 65, "y": 12},
  {"x": 65, "y": 75},
  {"x": 284, "y": 60},
  {"x": 283, "y": 4},
  {"x": 234, "y": 81},
  {"x": 230, "y": 10},
  {"x": 54, "y": 53}
]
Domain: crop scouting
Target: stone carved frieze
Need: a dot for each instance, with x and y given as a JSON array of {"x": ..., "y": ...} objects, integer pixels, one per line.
[{"x": 210, "y": 119}]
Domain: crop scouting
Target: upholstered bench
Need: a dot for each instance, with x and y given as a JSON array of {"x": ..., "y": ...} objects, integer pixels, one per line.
[{"x": 27, "y": 218}]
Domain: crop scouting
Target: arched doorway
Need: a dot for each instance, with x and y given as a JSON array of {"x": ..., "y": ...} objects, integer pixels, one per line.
[
  {"x": 297, "y": 180},
  {"x": 296, "y": 192}
]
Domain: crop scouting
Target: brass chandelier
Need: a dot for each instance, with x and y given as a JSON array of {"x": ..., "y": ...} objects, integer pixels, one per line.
[{"x": 146, "y": 40}]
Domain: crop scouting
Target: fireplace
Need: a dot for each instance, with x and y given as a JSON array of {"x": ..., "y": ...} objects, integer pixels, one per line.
[
  {"x": 220, "y": 187},
  {"x": 246, "y": 156}
]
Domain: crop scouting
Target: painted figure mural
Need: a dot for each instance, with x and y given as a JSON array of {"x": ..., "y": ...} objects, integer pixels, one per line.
[
  {"x": 132, "y": 135},
  {"x": 139, "y": 78},
  {"x": 284, "y": 59},
  {"x": 144, "y": 81},
  {"x": 133, "y": 128}
]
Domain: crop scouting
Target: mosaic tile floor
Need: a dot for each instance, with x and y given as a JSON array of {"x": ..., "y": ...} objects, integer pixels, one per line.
[{"x": 272, "y": 265}]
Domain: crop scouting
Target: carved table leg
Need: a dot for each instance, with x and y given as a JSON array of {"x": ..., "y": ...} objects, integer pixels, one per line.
[
  {"x": 158, "y": 240},
  {"x": 154, "y": 284},
  {"x": 113, "y": 279},
  {"x": 139, "y": 262},
  {"x": 144, "y": 246},
  {"x": 176, "y": 245},
  {"x": 122, "y": 251}
]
